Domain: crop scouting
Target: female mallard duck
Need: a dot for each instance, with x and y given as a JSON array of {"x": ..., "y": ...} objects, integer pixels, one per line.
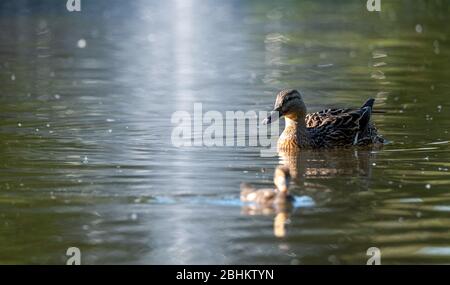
[
  {"x": 270, "y": 197},
  {"x": 325, "y": 129}
]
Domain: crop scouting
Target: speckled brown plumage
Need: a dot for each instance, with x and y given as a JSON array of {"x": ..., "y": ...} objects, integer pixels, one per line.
[
  {"x": 328, "y": 128},
  {"x": 270, "y": 197}
]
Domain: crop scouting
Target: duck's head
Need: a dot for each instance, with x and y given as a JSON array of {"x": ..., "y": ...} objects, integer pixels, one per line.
[
  {"x": 282, "y": 178},
  {"x": 289, "y": 103}
]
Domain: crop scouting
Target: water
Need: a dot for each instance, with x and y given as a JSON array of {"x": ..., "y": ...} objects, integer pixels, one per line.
[{"x": 85, "y": 132}]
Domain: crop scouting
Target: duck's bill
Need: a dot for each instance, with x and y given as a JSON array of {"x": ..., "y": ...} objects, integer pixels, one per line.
[{"x": 273, "y": 116}]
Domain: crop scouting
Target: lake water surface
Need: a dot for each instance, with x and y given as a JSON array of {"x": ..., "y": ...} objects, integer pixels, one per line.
[{"x": 86, "y": 157}]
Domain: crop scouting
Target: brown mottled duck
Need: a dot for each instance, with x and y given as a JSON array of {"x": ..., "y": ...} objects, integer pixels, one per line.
[
  {"x": 278, "y": 197},
  {"x": 328, "y": 128}
]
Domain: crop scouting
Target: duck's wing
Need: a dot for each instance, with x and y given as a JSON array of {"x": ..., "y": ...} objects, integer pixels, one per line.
[
  {"x": 265, "y": 196},
  {"x": 246, "y": 190},
  {"x": 316, "y": 119},
  {"x": 345, "y": 128},
  {"x": 258, "y": 196}
]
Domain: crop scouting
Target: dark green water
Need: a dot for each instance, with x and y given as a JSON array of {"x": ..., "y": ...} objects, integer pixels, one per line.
[{"x": 86, "y": 157}]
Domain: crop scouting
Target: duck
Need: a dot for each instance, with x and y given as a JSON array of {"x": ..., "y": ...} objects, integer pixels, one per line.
[
  {"x": 278, "y": 198},
  {"x": 330, "y": 128}
]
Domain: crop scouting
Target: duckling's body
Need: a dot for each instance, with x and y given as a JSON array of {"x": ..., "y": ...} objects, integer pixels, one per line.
[
  {"x": 325, "y": 129},
  {"x": 264, "y": 197},
  {"x": 270, "y": 197}
]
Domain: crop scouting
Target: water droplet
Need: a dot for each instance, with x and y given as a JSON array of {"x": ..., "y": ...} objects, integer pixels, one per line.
[
  {"x": 48, "y": 125},
  {"x": 428, "y": 186},
  {"x": 57, "y": 96},
  {"x": 134, "y": 217},
  {"x": 85, "y": 160},
  {"x": 81, "y": 43},
  {"x": 19, "y": 125},
  {"x": 37, "y": 130},
  {"x": 419, "y": 28},
  {"x": 109, "y": 131}
]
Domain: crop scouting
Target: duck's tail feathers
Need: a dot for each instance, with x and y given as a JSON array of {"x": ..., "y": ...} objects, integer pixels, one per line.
[
  {"x": 364, "y": 121},
  {"x": 369, "y": 103}
]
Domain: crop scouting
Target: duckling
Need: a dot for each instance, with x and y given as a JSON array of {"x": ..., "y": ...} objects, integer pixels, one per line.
[
  {"x": 278, "y": 198},
  {"x": 325, "y": 129}
]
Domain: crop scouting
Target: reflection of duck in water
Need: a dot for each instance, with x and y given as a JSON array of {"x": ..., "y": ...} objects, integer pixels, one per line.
[
  {"x": 272, "y": 200},
  {"x": 325, "y": 129},
  {"x": 279, "y": 224},
  {"x": 278, "y": 198},
  {"x": 280, "y": 220},
  {"x": 328, "y": 163}
]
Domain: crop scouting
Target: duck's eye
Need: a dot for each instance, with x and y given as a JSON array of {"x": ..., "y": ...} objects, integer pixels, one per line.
[{"x": 288, "y": 99}]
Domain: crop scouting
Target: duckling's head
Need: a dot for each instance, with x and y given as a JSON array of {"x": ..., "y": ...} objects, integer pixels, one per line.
[
  {"x": 289, "y": 103},
  {"x": 282, "y": 178}
]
